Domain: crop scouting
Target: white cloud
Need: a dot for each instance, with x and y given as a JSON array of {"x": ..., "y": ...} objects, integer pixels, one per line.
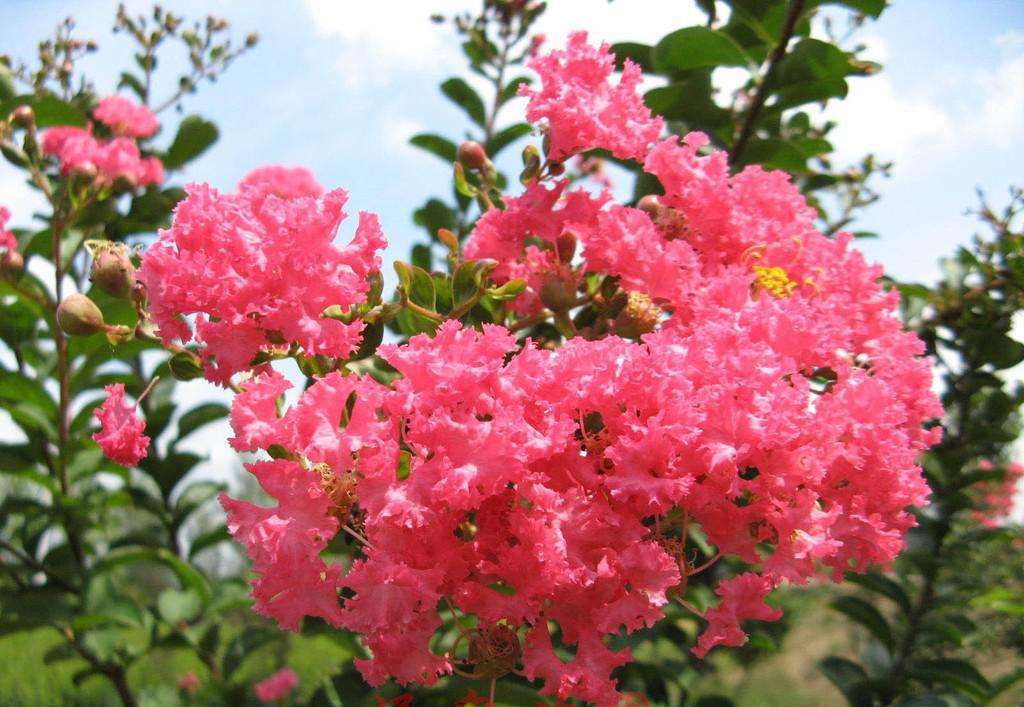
[
  {"x": 395, "y": 133},
  {"x": 1001, "y": 118},
  {"x": 381, "y": 41},
  {"x": 879, "y": 117}
]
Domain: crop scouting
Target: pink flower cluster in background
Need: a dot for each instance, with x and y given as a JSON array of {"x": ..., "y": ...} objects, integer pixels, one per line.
[
  {"x": 772, "y": 400},
  {"x": 7, "y": 240},
  {"x": 277, "y": 686},
  {"x": 998, "y": 496},
  {"x": 108, "y": 162}
]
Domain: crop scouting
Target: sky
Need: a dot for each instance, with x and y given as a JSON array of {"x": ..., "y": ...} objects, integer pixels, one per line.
[{"x": 340, "y": 85}]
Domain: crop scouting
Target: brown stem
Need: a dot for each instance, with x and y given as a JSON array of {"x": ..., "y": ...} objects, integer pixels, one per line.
[
  {"x": 761, "y": 95},
  {"x": 113, "y": 671},
  {"x": 37, "y": 566},
  {"x": 64, "y": 378}
]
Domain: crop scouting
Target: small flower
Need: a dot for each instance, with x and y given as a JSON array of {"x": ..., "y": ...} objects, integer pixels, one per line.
[
  {"x": 277, "y": 686},
  {"x": 121, "y": 430},
  {"x": 126, "y": 118}
]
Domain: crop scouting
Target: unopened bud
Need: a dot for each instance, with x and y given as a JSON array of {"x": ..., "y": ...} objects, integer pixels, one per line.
[
  {"x": 640, "y": 316},
  {"x": 11, "y": 265},
  {"x": 556, "y": 169},
  {"x": 650, "y": 205},
  {"x": 252, "y": 39},
  {"x": 112, "y": 269},
  {"x": 124, "y": 183},
  {"x": 473, "y": 156},
  {"x": 185, "y": 367},
  {"x": 565, "y": 244},
  {"x": 558, "y": 291},
  {"x": 78, "y": 315},
  {"x": 24, "y": 117},
  {"x": 448, "y": 239}
]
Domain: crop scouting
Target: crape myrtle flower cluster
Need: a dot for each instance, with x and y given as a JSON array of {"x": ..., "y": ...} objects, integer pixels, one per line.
[
  {"x": 997, "y": 497},
  {"x": 278, "y": 686},
  {"x": 758, "y": 387},
  {"x": 108, "y": 162},
  {"x": 258, "y": 268}
]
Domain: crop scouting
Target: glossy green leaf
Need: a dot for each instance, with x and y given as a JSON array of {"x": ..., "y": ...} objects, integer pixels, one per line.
[
  {"x": 867, "y": 616},
  {"x": 463, "y": 95},
  {"x": 850, "y": 678},
  {"x": 694, "y": 48},
  {"x": 50, "y": 111},
  {"x": 435, "y": 145},
  {"x": 195, "y": 135}
]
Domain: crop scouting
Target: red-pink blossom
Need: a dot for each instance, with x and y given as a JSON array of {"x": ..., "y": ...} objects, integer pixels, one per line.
[
  {"x": 278, "y": 686},
  {"x": 126, "y": 118},
  {"x": 742, "y": 599},
  {"x": 78, "y": 151},
  {"x": 996, "y": 497},
  {"x": 7, "y": 239},
  {"x": 189, "y": 682},
  {"x": 582, "y": 107},
  {"x": 121, "y": 429},
  {"x": 259, "y": 269}
]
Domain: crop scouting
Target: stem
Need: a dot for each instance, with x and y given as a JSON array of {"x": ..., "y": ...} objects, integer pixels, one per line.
[
  {"x": 63, "y": 375},
  {"x": 114, "y": 672},
  {"x": 37, "y": 566},
  {"x": 761, "y": 95}
]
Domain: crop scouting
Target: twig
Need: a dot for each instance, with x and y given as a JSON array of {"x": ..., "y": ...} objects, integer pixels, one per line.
[{"x": 761, "y": 95}]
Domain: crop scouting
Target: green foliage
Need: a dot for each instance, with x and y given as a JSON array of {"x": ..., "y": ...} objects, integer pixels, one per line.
[{"x": 951, "y": 603}]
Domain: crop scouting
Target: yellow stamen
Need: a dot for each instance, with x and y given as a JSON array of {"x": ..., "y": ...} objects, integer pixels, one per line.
[{"x": 775, "y": 280}]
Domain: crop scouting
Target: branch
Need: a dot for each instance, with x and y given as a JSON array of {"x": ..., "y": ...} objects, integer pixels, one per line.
[{"x": 761, "y": 95}]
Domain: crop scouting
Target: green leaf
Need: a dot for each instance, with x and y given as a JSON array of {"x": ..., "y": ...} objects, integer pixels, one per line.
[
  {"x": 689, "y": 100},
  {"x": 872, "y": 8},
  {"x": 435, "y": 145},
  {"x": 464, "y": 287},
  {"x": 7, "y": 89},
  {"x": 511, "y": 89},
  {"x": 506, "y": 137},
  {"x": 422, "y": 290},
  {"x": 189, "y": 577},
  {"x": 200, "y": 416},
  {"x": 850, "y": 678},
  {"x": 1000, "y": 350},
  {"x": 244, "y": 644},
  {"x": 639, "y": 54},
  {"x": 695, "y": 48},
  {"x": 867, "y": 616},
  {"x": 208, "y": 539},
  {"x": 463, "y": 95},
  {"x": 50, "y": 111},
  {"x": 433, "y": 216},
  {"x": 881, "y": 584},
  {"x": 421, "y": 256},
  {"x": 195, "y": 136},
  {"x": 176, "y": 606},
  {"x": 775, "y": 153},
  {"x": 812, "y": 60},
  {"x": 958, "y": 674}
]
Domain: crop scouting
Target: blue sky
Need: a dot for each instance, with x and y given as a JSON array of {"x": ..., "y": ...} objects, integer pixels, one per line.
[{"x": 340, "y": 85}]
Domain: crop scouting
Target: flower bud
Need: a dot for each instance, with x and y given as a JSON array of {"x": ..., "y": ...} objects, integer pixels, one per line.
[
  {"x": 251, "y": 39},
  {"x": 24, "y": 117},
  {"x": 556, "y": 169},
  {"x": 558, "y": 290},
  {"x": 185, "y": 367},
  {"x": 640, "y": 316},
  {"x": 112, "y": 269},
  {"x": 11, "y": 265},
  {"x": 565, "y": 245},
  {"x": 650, "y": 205},
  {"x": 78, "y": 315},
  {"x": 473, "y": 156}
]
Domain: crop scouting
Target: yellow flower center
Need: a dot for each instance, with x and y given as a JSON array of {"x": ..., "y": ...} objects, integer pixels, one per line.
[{"x": 775, "y": 280}]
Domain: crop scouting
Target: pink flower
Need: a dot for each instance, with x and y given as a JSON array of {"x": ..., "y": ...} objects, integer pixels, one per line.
[
  {"x": 7, "y": 239},
  {"x": 996, "y": 497},
  {"x": 742, "y": 599},
  {"x": 284, "y": 543},
  {"x": 189, "y": 682},
  {"x": 285, "y": 182},
  {"x": 125, "y": 117},
  {"x": 120, "y": 436},
  {"x": 277, "y": 686},
  {"x": 259, "y": 270},
  {"x": 584, "y": 111},
  {"x": 78, "y": 151}
]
